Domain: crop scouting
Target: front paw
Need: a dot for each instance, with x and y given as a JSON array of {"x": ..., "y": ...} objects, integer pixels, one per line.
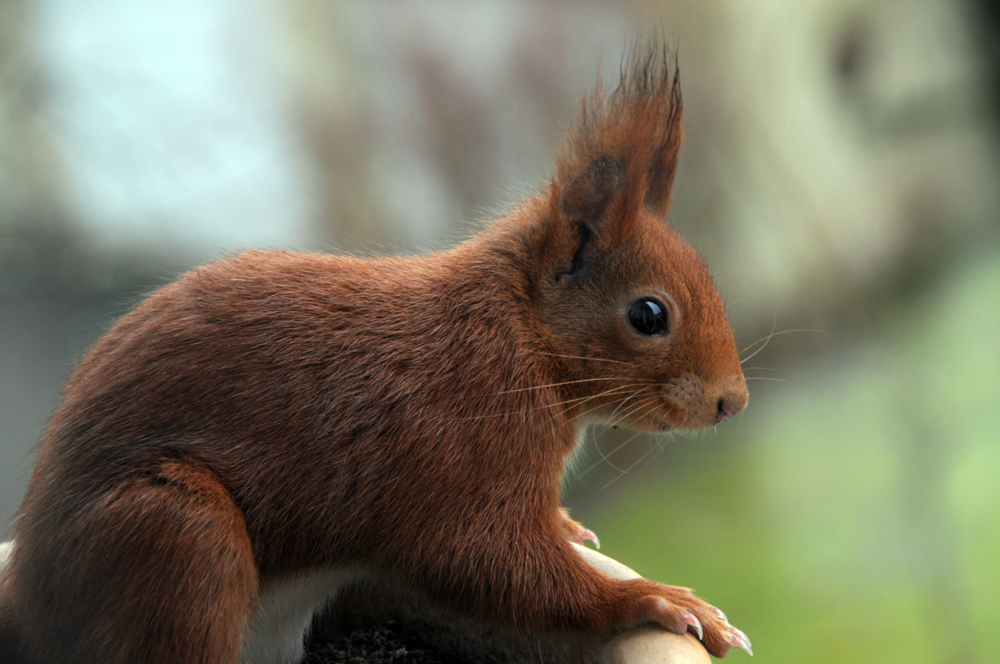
[
  {"x": 575, "y": 531},
  {"x": 680, "y": 611}
]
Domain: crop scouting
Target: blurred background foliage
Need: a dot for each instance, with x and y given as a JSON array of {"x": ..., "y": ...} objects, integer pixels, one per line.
[{"x": 840, "y": 175}]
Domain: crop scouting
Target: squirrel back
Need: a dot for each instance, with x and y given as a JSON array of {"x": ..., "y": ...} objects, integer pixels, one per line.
[{"x": 276, "y": 414}]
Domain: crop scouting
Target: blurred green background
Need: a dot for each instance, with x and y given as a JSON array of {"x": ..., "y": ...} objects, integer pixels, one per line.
[{"x": 840, "y": 176}]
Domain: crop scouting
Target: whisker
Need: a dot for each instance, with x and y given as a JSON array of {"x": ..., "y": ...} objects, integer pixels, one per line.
[
  {"x": 641, "y": 405},
  {"x": 612, "y": 415},
  {"x": 605, "y": 393},
  {"x": 626, "y": 471},
  {"x": 550, "y": 405},
  {"x": 590, "y": 410},
  {"x": 767, "y": 339},
  {"x": 776, "y": 380},
  {"x": 568, "y": 382},
  {"x": 592, "y": 359},
  {"x": 607, "y": 457},
  {"x": 579, "y": 400},
  {"x": 659, "y": 437},
  {"x": 604, "y": 458}
]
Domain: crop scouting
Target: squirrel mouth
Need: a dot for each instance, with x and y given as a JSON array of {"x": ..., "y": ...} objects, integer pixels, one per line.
[
  {"x": 661, "y": 426},
  {"x": 652, "y": 424}
]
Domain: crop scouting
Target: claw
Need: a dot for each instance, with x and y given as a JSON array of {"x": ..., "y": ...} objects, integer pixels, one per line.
[
  {"x": 690, "y": 619},
  {"x": 740, "y": 640},
  {"x": 718, "y": 613},
  {"x": 588, "y": 534}
]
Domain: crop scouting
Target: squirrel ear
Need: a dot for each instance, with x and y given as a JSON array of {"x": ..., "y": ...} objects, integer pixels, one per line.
[
  {"x": 586, "y": 198},
  {"x": 584, "y": 207},
  {"x": 663, "y": 165},
  {"x": 660, "y": 180}
]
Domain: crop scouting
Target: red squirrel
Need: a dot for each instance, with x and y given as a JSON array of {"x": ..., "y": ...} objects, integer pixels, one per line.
[{"x": 275, "y": 423}]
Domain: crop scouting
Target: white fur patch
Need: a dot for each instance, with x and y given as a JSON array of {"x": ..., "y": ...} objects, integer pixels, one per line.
[
  {"x": 275, "y": 633},
  {"x": 6, "y": 549}
]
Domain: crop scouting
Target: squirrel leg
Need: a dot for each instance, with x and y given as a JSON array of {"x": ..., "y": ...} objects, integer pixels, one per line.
[
  {"x": 553, "y": 588},
  {"x": 618, "y": 604},
  {"x": 161, "y": 569}
]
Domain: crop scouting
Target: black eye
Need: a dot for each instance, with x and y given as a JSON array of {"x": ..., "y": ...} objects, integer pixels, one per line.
[{"x": 649, "y": 317}]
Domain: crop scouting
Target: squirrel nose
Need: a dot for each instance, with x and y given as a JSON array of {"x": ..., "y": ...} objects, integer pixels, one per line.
[{"x": 731, "y": 402}]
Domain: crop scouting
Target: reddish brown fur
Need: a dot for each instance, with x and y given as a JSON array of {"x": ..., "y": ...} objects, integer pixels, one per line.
[{"x": 278, "y": 412}]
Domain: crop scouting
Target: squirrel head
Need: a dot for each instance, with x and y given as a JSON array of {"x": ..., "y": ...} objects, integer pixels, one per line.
[{"x": 637, "y": 332}]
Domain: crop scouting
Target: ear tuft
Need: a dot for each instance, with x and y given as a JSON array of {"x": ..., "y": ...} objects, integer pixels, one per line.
[
  {"x": 627, "y": 141},
  {"x": 663, "y": 162}
]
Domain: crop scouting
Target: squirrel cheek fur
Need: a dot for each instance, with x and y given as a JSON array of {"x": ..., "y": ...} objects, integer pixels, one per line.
[{"x": 275, "y": 415}]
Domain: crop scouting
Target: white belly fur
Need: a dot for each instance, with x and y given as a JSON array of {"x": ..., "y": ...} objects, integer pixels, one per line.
[{"x": 275, "y": 633}]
